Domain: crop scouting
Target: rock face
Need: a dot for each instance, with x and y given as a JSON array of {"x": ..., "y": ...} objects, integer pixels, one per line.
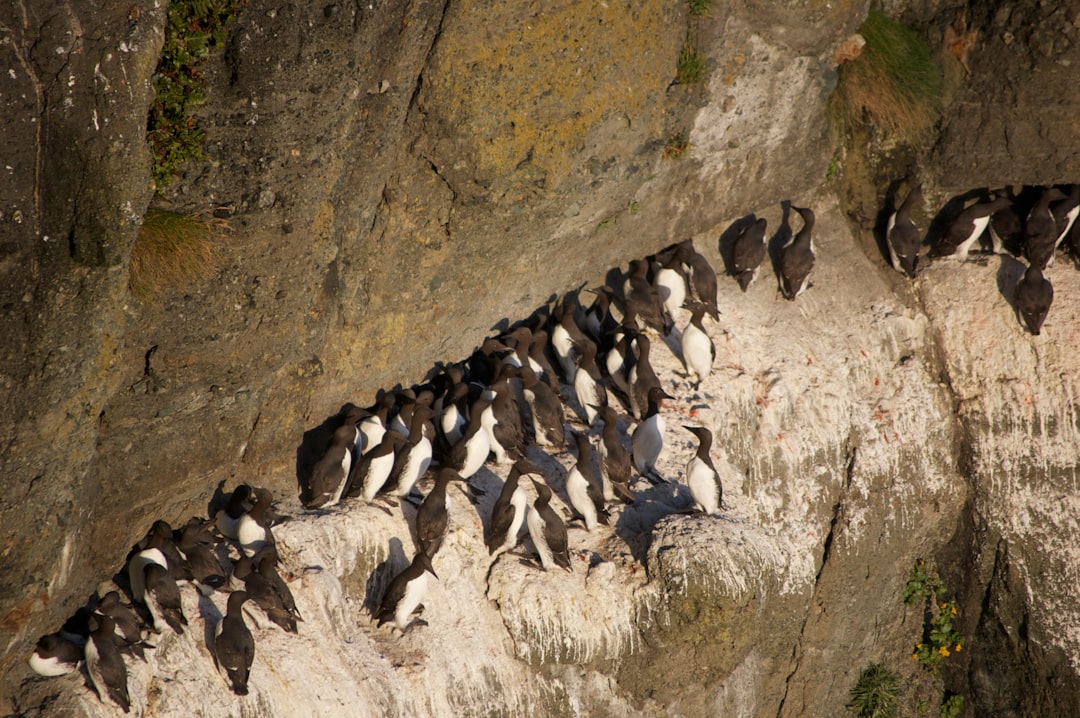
[{"x": 399, "y": 178}]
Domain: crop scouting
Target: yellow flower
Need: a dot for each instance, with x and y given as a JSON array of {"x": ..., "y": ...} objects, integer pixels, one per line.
[
  {"x": 958, "y": 648},
  {"x": 954, "y": 610},
  {"x": 914, "y": 656},
  {"x": 944, "y": 606},
  {"x": 943, "y": 651}
]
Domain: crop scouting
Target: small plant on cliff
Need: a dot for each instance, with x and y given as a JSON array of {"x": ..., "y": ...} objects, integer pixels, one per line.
[
  {"x": 940, "y": 639},
  {"x": 701, "y": 8},
  {"x": 953, "y": 707},
  {"x": 676, "y": 146},
  {"x": 690, "y": 67},
  {"x": 893, "y": 83},
  {"x": 876, "y": 694},
  {"x": 171, "y": 251},
  {"x": 194, "y": 27}
]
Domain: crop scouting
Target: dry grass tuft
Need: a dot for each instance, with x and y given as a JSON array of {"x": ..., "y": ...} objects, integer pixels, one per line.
[
  {"x": 172, "y": 251},
  {"x": 893, "y": 83}
]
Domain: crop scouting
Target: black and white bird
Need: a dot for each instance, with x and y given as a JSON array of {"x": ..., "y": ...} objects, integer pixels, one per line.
[
  {"x": 330, "y": 474},
  {"x": 748, "y": 252},
  {"x": 641, "y": 294},
  {"x": 1034, "y": 295},
  {"x": 698, "y": 350},
  {"x": 1040, "y": 230},
  {"x": 239, "y": 503},
  {"x": 671, "y": 284},
  {"x": 902, "y": 236},
  {"x": 253, "y": 529},
  {"x": 127, "y": 625},
  {"x": 433, "y": 516},
  {"x": 642, "y": 377},
  {"x": 508, "y": 515},
  {"x": 197, "y": 544},
  {"x": 614, "y": 459},
  {"x": 374, "y": 467},
  {"x": 546, "y": 408},
  {"x": 701, "y": 476},
  {"x": 647, "y": 441},
  {"x": 104, "y": 664},
  {"x": 968, "y": 226},
  {"x": 264, "y": 594},
  {"x": 583, "y": 488},
  {"x": 414, "y": 457},
  {"x": 703, "y": 282},
  {"x": 162, "y": 599},
  {"x": 234, "y": 647},
  {"x": 547, "y": 530},
  {"x": 797, "y": 258},
  {"x": 55, "y": 655},
  {"x": 588, "y": 383},
  {"x": 405, "y": 593}
]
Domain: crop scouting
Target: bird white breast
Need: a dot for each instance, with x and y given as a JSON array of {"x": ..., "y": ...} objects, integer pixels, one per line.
[
  {"x": 418, "y": 463},
  {"x": 414, "y": 595},
  {"x": 585, "y": 388},
  {"x": 452, "y": 424},
  {"x": 371, "y": 433},
  {"x": 672, "y": 290},
  {"x": 563, "y": 345},
  {"x": 378, "y": 472},
  {"x": 698, "y": 351},
  {"x": 92, "y": 658},
  {"x": 977, "y": 229},
  {"x": 577, "y": 487},
  {"x": 346, "y": 464},
  {"x": 250, "y": 535},
  {"x": 226, "y": 525},
  {"x": 605, "y": 480},
  {"x": 648, "y": 442},
  {"x": 137, "y": 567},
  {"x": 536, "y": 531},
  {"x": 1070, "y": 217},
  {"x": 888, "y": 241},
  {"x": 51, "y": 666},
  {"x": 702, "y": 482},
  {"x": 476, "y": 452},
  {"x": 520, "y": 501}
]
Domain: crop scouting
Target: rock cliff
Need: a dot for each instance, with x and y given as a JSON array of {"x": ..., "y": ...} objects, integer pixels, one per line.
[{"x": 400, "y": 177}]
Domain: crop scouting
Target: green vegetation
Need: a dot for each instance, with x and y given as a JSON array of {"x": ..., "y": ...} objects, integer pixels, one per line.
[
  {"x": 172, "y": 251},
  {"x": 834, "y": 167},
  {"x": 940, "y": 639},
  {"x": 676, "y": 146},
  {"x": 876, "y": 694},
  {"x": 701, "y": 8},
  {"x": 953, "y": 707},
  {"x": 892, "y": 85},
  {"x": 634, "y": 206},
  {"x": 194, "y": 28},
  {"x": 690, "y": 68}
]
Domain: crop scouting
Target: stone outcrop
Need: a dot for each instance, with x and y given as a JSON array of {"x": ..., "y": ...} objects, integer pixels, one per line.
[{"x": 402, "y": 177}]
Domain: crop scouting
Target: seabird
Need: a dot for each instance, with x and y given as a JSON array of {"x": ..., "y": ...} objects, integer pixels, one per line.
[
  {"x": 406, "y": 592},
  {"x": 966, "y": 228},
  {"x": 797, "y": 258},
  {"x": 234, "y": 648},
  {"x": 548, "y": 531},
  {"x": 433, "y": 517},
  {"x": 701, "y": 475},
  {"x": 330, "y": 474},
  {"x": 586, "y": 496},
  {"x": 55, "y": 655},
  {"x": 105, "y": 665},
  {"x": 902, "y": 235},
  {"x": 508, "y": 514},
  {"x": 698, "y": 350},
  {"x": 749, "y": 252},
  {"x": 647, "y": 440},
  {"x": 1034, "y": 295},
  {"x": 614, "y": 459}
]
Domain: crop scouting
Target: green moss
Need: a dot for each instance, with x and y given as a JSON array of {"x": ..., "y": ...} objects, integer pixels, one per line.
[
  {"x": 194, "y": 28},
  {"x": 676, "y": 146},
  {"x": 701, "y": 8},
  {"x": 893, "y": 85}
]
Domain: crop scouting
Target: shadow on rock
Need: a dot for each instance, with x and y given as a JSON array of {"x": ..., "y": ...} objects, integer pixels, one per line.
[{"x": 313, "y": 445}]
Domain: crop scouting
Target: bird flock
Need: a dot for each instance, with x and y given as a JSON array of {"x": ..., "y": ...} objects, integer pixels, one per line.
[
  {"x": 574, "y": 369},
  {"x": 1031, "y": 224}
]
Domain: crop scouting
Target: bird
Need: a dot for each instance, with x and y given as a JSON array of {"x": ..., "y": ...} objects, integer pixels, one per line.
[
  {"x": 966, "y": 228},
  {"x": 472, "y": 449},
  {"x": 698, "y": 350},
  {"x": 586, "y": 496},
  {"x": 546, "y": 408},
  {"x": 670, "y": 283},
  {"x": 538, "y": 357},
  {"x": 547, "y": 530},
  {"x": 136, "y": 571},
  {"x": 126, "y": 625},
  {"x": 566, "y": 337},
  {"x": 104, "y": 664},
  {"x": 264, "y": 593},
  {"x": 234, "y": 648},
  {"x": 647, "y": 441},
  {"x": 902, "y": 236},
  {"x": 703, "y": 281},
  {"x": 374, "y": 425},
  {"x": 330, "y": 475},
  {"x": 161, "y": 537},
  {"x": 614, "y": 459},
  {"x": 55, "y": 655},
  {"x": 639, "y": 292},
  {"x": 414, "y": 457},
  {"x": 454, "y": 417},
  {"x": 1034, "y": 295},
  {"x": 432, "y": 517},
  {"x": 588, "y": 383},
  {"x": 197, "y": 545},
  {"x": 508, "y": 514},
  {"x": 239, "y": 503},
  {"x": 507, "y": 434},
  {"x": 797, "y": 258},
  {"x": 1040, "y": 230},
  {"x": 642, "y": 377},
  {"x": 701, "y": 475},
  {"x": 1065, "y": 213},
  {"x": 405, "y": 593},
  {"x": 748, "y": 252},
  {"x": 266, "y": 562},
  {"x": 374, "y": 467},
  {"x": 162, "y": 599},
  {"x": 253, "y": 529},
  {"x": 598, "y": 318}
]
